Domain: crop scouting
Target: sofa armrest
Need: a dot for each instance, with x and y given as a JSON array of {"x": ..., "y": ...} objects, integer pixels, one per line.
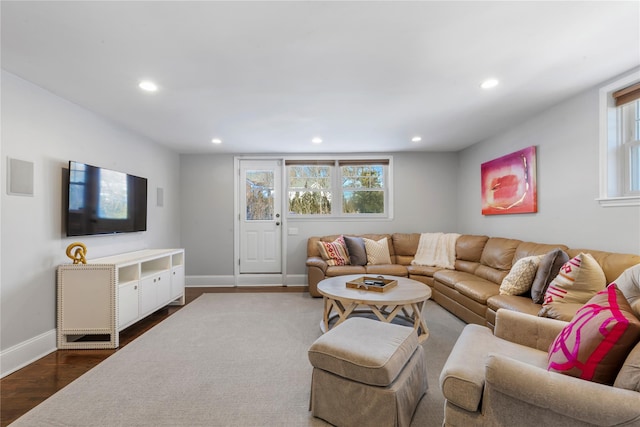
[
  {"x": 560, "y": 394},
  {"x": 525, "y": 329},
  {"x": 315, "y": 261}
]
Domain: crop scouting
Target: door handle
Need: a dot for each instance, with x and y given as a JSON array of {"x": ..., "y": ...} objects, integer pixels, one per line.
[{"x": 277, "y": 223}]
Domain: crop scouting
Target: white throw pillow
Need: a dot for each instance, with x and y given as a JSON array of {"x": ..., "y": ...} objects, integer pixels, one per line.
[
  {"x": 629, "y": 285},
  {"x": 377, "y": 252},
  {"x": 521, "y": 276}
]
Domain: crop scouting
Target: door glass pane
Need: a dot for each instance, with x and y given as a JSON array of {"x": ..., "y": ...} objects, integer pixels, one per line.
[{"x": 260, "y": 193}]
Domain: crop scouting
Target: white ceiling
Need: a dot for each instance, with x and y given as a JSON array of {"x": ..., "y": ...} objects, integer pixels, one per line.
[{"x": 365, "y": 76}]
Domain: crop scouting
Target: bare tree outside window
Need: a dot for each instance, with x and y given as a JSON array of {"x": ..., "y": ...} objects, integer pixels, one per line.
[{"x": 259, "y": 195}]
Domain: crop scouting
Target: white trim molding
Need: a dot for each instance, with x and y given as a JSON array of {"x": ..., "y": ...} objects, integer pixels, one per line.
[
  {"x": 619, "y": 201},
  {"x": 246, "y": 280},
  {"x": 26, "y": 352}
]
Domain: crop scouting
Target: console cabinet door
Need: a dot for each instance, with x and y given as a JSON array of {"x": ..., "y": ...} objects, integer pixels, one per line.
[
  {"x": 154, "y": 292},
  {"x": 148, "y": 295},
  {"x": 163, "y": 286},
  {"x": 177, "y": 281},
  {"x": 127, "y": 304}
]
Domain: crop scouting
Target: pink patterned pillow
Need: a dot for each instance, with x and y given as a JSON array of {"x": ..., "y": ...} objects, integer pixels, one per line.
[
  {"x": 334, "y": 253},
  {"x": 595, "y": 344}
]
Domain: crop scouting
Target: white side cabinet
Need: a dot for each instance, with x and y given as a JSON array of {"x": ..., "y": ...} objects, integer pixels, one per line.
[{"x": 99, "y": 299}]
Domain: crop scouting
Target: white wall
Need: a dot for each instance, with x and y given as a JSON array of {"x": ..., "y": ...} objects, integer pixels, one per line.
[
  {"x": 207, "y": 194},
  {"x": 424, "y": 191},
  {"x": 566, "y": 137},
  {"x": 47, "y": 130}
]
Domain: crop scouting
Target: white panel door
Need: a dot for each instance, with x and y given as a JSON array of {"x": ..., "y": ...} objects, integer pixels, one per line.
[{"x": 260, "y": 216}]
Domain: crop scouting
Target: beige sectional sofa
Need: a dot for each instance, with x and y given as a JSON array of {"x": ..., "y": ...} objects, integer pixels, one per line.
[{"x": 471, "y": 289}]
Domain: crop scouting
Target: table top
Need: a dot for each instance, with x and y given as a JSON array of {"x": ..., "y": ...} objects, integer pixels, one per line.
[{"x": 407, "y": 291}]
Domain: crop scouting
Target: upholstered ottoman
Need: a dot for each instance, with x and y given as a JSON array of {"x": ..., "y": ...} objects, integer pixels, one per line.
[{"x": 366, "y": 373}]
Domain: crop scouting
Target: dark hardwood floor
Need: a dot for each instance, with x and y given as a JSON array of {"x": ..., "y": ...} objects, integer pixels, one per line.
[{"x": 31, "y": 385}]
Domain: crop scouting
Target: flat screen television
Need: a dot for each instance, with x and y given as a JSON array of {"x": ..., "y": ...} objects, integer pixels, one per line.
[{"x": 103, "y": 201}]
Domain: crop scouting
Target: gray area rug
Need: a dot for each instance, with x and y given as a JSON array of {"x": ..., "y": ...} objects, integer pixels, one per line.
[{"x": 223, "y": 360}]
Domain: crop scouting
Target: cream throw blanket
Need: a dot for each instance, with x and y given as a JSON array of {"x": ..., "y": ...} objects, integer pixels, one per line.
[{"x": 436, "y": 250}]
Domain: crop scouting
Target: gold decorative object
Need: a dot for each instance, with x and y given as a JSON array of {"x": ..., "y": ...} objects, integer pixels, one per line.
[{"x": 79, "y": 254}]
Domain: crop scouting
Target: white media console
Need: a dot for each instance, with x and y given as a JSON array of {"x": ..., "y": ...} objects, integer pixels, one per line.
[{"x": 99, "y": 299}]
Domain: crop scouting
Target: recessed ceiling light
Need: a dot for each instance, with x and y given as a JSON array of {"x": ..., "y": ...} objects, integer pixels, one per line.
[
  {"x": 489, "y": 83},
  {"x": 148, "y": 86},
  {"x": 416, "y": 139},
  {"x": 216, "y": 141},
  {"x": 317, "y": 140}
]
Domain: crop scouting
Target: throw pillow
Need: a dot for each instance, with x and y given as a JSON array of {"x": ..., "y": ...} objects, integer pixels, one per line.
[
  {"x": 595, "y": 344},
  {"x": 629, "y": 284},
  {"x": 334, "y": 253},
  {"x": 521, "y": 276},
  {"x": 356, "y": 250},
  {"x": 561, "y": 310},
  {"x": 579, "y": 279},
  {"x": 548, "y": 269},
  {"x": 377, "y": 252},
  {"x": 629, "y": 375}
]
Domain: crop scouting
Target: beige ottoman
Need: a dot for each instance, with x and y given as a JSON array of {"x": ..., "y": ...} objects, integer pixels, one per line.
[{"x": 366, "y": 373}]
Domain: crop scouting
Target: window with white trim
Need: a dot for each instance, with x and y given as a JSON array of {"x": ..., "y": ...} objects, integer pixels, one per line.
[
  {"x": 356, "y": 188},
  {"x": 620, "y": 142}
]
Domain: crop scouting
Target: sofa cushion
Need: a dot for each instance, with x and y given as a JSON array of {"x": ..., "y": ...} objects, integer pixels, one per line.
[
  {"x": 489, "y": 273},
  {"x": 387, "y": 269},
  {"x": 477, "y": 289},
  {"x": 629, "y": 285},
  {"x": 377, "y": 251},
  {"x": 595, "y": 344},
  {"x": 356, "y": 250},
  {"x": 466, "y": 266},
  {"x": 579, "y": 279},
  {"x": 498, "y": 253},
  {"x": 629, "y": 375},
  {"x": 513, "y": 303},
  {"x": 560, "y": 310},
  {"x": 334, "y": 253},
  {"x": 520, "y": 278},
  {"x": 469, "y": 247},
  {"x": 451, "y": 277},
  {"x": 405, "y": 246},
  {"x": 364, "y": 350},
  {"x": 422, "y": 270},
  {"x": 341, "y": 270},
  {"x": 547, "y": 270},
  {"x": 532, "y": 248}
]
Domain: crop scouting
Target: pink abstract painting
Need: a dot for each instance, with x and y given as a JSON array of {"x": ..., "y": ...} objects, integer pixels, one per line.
[{"x": 509, "y": 183}]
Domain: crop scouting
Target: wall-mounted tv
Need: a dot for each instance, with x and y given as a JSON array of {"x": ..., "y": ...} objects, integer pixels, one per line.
[{"x": 103, "y": 201}]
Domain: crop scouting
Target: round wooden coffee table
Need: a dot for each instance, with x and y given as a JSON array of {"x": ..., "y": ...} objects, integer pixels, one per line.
[{"x": 404, "y": 301}]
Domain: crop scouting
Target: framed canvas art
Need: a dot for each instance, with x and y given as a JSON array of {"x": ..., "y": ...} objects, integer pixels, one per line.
[{"x": 509, "y": 183}]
